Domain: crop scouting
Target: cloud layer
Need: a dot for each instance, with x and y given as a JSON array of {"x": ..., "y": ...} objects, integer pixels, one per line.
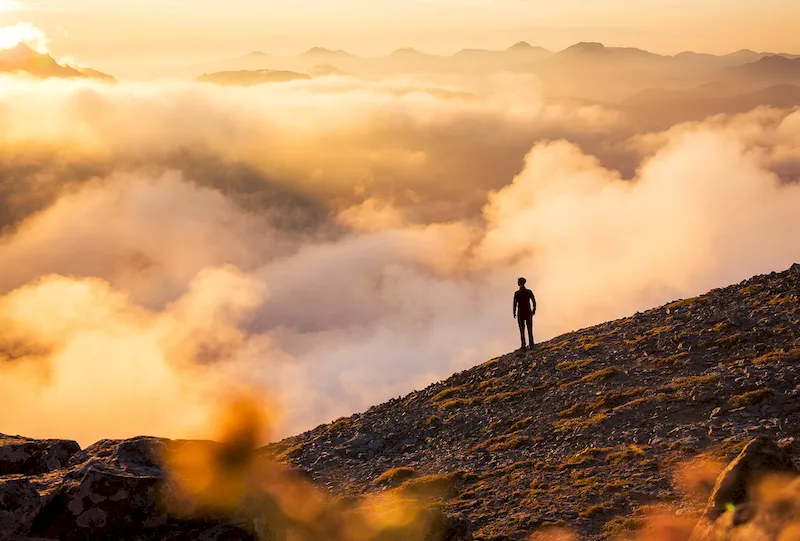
[{"x": 333, "y": 243}]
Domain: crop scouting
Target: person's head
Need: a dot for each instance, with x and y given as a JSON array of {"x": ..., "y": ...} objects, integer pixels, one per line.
[{"x": 521, "y": 282}]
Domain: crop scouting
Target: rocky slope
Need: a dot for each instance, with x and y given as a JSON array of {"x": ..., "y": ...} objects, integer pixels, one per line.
[
  {"x": 589, "y": 427},
  {"x": 588, "y": 431}
]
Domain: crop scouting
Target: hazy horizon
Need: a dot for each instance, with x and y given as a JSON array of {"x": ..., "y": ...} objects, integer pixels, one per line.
[
  {"x": 137, "y": 38},
  {"x": 147, "y": 70}
]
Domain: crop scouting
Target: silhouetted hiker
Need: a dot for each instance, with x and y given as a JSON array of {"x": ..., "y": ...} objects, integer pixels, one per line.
[{"x": 524, "y": 310}]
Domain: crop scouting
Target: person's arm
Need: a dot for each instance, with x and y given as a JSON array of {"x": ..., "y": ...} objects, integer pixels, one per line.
[
  {"x": 533, "y": 301},
  {"x": 515, "y": 305}
]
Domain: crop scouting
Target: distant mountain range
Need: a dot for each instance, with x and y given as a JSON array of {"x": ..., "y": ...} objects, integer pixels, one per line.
[
  {"x": 774, "y": 67},
  {"x": 599, "y": 51},
  {"x": 660, "y": 108},
  {"x": 23, "y": 59},
  {"x": 521, "y": 56},
  {"x": 586, "y": 70}
]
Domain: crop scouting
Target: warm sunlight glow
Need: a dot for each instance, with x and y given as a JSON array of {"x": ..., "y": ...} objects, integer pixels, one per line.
[
  {"x": 8, "y": 5},
  {"x": 26, "y": 33},
  {"x": 259, "y": 259}
]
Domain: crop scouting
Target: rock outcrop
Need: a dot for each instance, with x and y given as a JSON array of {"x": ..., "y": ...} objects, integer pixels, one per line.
[
  {"x": 760, "y": 458},
  {"x": 111, "y": 490},
  {"x": 31, "y": 457},
  {"x": 124, "y": 490},
  {"x": 756, "y": 497}
]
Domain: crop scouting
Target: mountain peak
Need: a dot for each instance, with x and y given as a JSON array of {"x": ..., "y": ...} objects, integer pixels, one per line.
[
  {"x": 21, "y": 51},
  {"x": 322, "y": 51},
  {"x": 774, "y": 59},
  {"x": 586, "y": 47},
  {"x": 774, "y": 67},
  {"x": 594, "y": 49},
  {"x": 21, "y": 46},
  {"x": 24, "y": 59},
  {"x": 520, "y": 47},
  {"x": 406, "y": 51}
]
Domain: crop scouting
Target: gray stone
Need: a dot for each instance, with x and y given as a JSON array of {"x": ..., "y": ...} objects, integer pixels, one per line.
[
  {"x": 376, "y": 445},
  {"x": 360, "y": 440},
  {"x": 30, "y": 457},
  {"x": 19, "y": 503}
]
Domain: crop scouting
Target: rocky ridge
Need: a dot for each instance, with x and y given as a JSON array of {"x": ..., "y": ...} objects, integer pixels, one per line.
[{"x": 590, "y": 427}]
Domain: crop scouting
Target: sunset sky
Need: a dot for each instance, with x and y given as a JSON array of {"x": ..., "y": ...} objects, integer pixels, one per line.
[
  {"x": 331, "y": 242},
  {"x": 141, "y": 35}
]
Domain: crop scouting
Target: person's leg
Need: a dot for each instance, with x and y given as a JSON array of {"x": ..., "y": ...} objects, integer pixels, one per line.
[
  {"x": 529, "y": 322},
  {"x": 521, "y": 322}
]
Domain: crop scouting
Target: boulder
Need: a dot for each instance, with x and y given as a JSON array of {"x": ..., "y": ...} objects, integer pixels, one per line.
[
  {"x": 19, "y": 503},
  {"x": 774, "y": 519},
  {"x": 111, "y": 490},
  {"x": 376, "y": 445},
  {"x": 735, "y": 512},
  {"x": 360, "y": 440},
  {"x": 760, "y": 457},
  {"x": 31, "y": 457},
  {"x": 102, "y": 503}
]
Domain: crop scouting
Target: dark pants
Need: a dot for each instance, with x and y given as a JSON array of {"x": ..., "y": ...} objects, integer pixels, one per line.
[{"x": 525, "y": 319}]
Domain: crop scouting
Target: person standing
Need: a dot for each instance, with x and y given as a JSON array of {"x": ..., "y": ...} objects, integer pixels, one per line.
[{"x": 524, "y": 310}]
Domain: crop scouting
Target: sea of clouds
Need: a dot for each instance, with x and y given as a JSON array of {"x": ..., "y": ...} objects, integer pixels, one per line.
[{"x": 333, "y": 243}]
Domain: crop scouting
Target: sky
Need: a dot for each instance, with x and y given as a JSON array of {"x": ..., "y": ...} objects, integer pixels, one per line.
[
  {"x": 330, "y": 243},
  {"x": 137, "y": 36}
]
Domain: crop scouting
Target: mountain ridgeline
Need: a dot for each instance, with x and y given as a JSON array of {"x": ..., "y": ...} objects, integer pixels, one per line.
[
  {"x": 521, "y": 57},
  {"x": 589, "y": 427},
  {"x": 654, "y": 91},
  {"x": 590, "y": 431},
  {"x": 23, "y": 59}
]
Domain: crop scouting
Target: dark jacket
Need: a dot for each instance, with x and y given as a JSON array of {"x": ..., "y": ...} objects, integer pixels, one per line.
[{"x": 524, "y": 299}]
